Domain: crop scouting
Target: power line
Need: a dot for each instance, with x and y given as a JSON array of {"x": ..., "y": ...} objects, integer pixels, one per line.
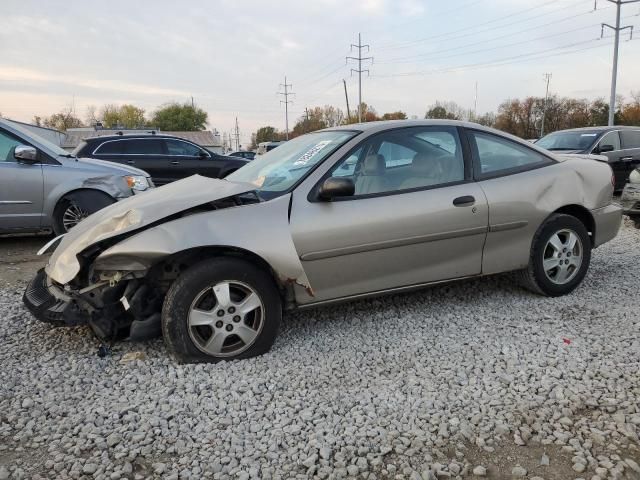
[
  {"x": 286, "y": 102},
  {"x": 614, "y": 73},
  {"x": 359, "y": 58},
  {"x": 468, "y": 31},
  {"x": 437, "y": 55},
  {"x": 501, "y": 61}
]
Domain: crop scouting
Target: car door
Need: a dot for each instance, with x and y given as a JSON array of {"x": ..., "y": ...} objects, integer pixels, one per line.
[
  {"x": 188, "y": 159},
  {"x": 149, "y": 154},
  {"x": 515, "y": 179},
  {"x": 630, "y": 140},
  {"x": 416, "y": 217},
  {"x": 609, "y": 145},
  {"x": 21, "y": 188}
]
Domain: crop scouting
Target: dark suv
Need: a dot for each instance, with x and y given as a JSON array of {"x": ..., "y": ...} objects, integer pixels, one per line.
[
  {"x": 620, "y": 144},
  {"x": 164, "y": 157}
]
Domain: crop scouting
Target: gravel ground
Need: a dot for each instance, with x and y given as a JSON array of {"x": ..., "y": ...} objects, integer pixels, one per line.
[{"x": 478, "y": 378}]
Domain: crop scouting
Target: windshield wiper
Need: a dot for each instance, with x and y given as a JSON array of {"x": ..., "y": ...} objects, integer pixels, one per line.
[
  {"x": 563, "y": 148},
  {"x": 68, "y": 155}
]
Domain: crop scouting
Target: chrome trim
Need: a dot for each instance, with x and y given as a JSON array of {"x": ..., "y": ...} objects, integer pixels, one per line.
[
  {"x": 15, "y": 202},
  {"x": 501, "y": 227},
  {"x": 432, "y": 237},
  {"x": 47, "y": 245}
]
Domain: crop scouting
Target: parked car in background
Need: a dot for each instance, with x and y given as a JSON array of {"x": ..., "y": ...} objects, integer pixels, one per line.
[
  {"x": 264, "y": 147},
  {"x": 421, "y": 202},
  {"x": 44, "y": 187},
  {"x": 164, "y": 157},
  {"x": 243, "y": 154},
  {"x": 630, "y": 198},
  {"x": 620, "y": 144}
]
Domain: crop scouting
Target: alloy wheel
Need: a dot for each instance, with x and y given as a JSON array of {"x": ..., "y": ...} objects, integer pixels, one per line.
[
  {"x": 73, "y": 215},
  {"x": 562, "y": 256},
  {"x": 226, "y": 319}
]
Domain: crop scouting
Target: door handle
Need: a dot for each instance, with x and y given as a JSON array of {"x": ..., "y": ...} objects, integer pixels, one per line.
[
  {"x": 175, "y": 162},
  {"x": 626, "y": 159},
  {"x": 131, "y": 162},
  {"x": 465, "y": 201}
]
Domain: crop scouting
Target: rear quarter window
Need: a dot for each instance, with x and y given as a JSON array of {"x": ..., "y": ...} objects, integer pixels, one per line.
[
  {"x": 110, "y": 147},
  {"x": 630, "y": 138}
]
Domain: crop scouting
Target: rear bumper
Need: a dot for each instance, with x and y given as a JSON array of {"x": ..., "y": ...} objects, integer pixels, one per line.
[
  {"x": 49, "y": 304},
  {"x": 607, "y": 221}
]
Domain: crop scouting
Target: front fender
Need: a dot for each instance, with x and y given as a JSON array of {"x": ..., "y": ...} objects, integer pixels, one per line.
[{"x": 261, "y": 228}]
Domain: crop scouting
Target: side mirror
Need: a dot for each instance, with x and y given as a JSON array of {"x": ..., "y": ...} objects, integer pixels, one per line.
[
  {"x": 605, "y": 148},
  {"x": 336, "y": 187},
  {"x": 25, "y": 154},
  {"x": 203, "y": 154}
]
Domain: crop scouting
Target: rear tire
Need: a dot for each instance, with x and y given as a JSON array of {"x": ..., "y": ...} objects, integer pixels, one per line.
[
  {"x": 560, "y": 256},
  {"x": 76, "y": 206},
  {"x": 221, "y": 309}
]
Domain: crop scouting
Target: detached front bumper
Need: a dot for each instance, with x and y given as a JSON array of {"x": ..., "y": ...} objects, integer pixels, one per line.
[
  {"x": 50, "y": 304},
  {"x": 630, "y": 199}
]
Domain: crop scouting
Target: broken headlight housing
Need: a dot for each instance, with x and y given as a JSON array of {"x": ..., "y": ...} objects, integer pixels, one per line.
[{"x": 137, "y": 182}]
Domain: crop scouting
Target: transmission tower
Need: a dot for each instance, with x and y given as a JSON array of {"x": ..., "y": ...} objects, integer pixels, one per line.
[
  {"x": 286, "y": 102},
  {"x": 360, "y": 71},
  {"x": 236, "y": 135},
  {"x": 614, "y": 74}
]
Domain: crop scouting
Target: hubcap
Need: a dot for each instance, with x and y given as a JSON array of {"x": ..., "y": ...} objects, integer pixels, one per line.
[
  {"x": 562, "y": 256},
  {"x": 226, "y": 319},
  {"x": 72, "y": 216}
]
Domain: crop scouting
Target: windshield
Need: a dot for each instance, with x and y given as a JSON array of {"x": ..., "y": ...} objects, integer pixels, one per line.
[
  {"x": 581, "y": 140},
  {"x": 30, "y": 136},
  {"x": 280, "y": 169}
]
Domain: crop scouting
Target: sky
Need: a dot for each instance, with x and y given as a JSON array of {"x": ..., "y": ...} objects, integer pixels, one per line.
[{"x": 232, "y": 55}]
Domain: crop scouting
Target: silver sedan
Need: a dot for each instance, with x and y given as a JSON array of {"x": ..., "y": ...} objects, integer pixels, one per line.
[{"x": 334, "y": 215}]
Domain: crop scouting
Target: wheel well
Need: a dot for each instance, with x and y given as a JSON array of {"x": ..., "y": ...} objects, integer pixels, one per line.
[
  {"x": 583, "y": 215},
  {"x": 83, "y": 192},
  {"x": 180, "y": 261}
]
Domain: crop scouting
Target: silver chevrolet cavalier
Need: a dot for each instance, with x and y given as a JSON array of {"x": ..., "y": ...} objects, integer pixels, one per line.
[{"x": 338, "y": 214}]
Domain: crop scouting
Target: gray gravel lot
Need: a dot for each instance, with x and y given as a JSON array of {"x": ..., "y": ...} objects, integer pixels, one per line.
[{"x": 478, "y": 377}]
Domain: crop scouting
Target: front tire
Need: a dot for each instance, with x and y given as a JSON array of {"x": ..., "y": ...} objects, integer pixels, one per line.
[
  {"x": 560, "y": 256},
  {"x": 221, "y": 309},
  {"x": 75, "y": 207}
]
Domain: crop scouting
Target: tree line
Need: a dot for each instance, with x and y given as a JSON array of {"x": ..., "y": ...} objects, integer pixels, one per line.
[
  {"x": 521, "y": 117},
  {"x": 168, "y": 117}
]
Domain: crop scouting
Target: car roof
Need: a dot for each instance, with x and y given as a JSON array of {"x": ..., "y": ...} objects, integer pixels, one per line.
[{"x": 598, "y": 128}]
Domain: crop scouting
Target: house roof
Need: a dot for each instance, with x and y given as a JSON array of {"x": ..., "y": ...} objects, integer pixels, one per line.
[{"x": 203, "y": 138}]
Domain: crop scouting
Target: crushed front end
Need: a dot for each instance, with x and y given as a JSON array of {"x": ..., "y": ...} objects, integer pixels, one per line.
[{"x": 113, "y": 304}]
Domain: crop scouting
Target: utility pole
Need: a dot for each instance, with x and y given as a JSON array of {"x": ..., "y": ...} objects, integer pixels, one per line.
[
  {"x": 286, "y": 102},
  {"x": 360, "y": 58},
  {"x": 346, "y": 97},
  {"x": 306, "y": 127},
  {"x": 614, "y": 73},
  {"x": 192, "y": 103},
  {"x": 237, "y": 135},
  {"x": 547, "y": 77},
  {"x": 475, "y": 102}
]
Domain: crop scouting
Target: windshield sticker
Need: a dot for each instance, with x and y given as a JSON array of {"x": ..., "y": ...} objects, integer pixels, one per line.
[
  {"x": 588, "y": 134},
  {"x": 309, "y": 154}
]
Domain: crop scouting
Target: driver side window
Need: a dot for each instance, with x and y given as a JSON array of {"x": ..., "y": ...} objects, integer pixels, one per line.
[
  {"x": 7, "y": 143},
  {"x": 404, "y": 159}
]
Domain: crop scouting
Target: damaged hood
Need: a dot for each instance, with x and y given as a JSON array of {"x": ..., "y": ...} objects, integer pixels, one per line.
[{"x": 134, "y": 213}]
